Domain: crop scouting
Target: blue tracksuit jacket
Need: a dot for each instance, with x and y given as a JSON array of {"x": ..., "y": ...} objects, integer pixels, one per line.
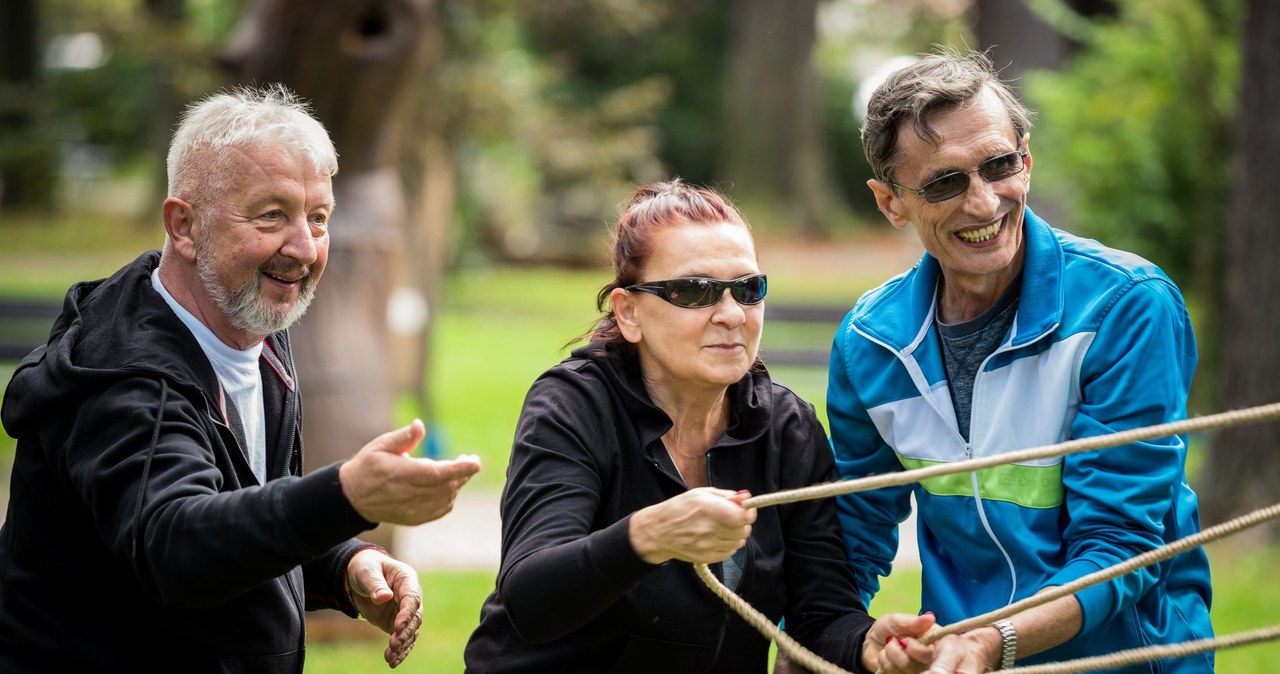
[{"x": 1101, "y": 343}]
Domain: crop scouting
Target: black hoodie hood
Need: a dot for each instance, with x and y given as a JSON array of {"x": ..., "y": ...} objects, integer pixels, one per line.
[{"x": 108, "y": 329}]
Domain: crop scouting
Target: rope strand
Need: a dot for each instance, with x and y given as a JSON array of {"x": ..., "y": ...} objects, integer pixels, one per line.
[
  {"x": 1140, "y": 655},
  {"x": 1097, "y": 577},
  {"x": 803, "y": 656},
  {"x": 814, "y": 663},
  {"x": 1204, "y": 423}
]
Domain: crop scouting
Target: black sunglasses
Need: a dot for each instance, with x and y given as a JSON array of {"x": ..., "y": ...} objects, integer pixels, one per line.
[
  {"x": 698, "y": 292},
  {"x": 955, "y": 183}
]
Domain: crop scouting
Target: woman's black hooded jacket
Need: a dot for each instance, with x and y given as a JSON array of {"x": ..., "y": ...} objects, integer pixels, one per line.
[{"x": 574, "y": 596}]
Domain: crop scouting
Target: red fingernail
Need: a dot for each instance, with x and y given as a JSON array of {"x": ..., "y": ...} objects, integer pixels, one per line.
[
  {"x": 902, "y": 643},
  {"x": 888, "y": 641},
  {"x": 928, "y": 612}
]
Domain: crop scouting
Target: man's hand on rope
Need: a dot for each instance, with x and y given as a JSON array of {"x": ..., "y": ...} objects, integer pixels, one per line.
[
  {"x": 972, "y": 652},
  {"x": 703, "y": 525},
  {"x": 892, "y": 644}
]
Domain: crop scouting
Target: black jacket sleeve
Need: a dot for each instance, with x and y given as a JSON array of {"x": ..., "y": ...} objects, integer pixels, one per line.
[
  {"x": 557, "y": 572},
  {"x": 139, "y": 455},
  {"x": 824, "y": 611}
]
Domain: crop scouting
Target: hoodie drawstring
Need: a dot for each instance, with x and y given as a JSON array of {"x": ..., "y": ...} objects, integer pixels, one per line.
[{"x": 146, "y": 469}]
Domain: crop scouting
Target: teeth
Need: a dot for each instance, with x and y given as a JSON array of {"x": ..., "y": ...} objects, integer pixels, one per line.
[
  {"x": 980, "y": 235},
  {"x": 285, "y": 279}
]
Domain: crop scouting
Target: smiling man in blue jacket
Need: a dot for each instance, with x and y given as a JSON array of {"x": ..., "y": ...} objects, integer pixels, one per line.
[{"x": 1011, "y": 334}]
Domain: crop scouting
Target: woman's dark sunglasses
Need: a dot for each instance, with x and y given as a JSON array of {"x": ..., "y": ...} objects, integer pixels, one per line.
[
  {"x": 698, "y": 292},
  {"x": 955, "y": 183}
]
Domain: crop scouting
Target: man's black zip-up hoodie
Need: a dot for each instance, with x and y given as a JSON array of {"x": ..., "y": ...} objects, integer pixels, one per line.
[
  {"x": 137, "y": 538},
  {"x": 573, "y": 595}
]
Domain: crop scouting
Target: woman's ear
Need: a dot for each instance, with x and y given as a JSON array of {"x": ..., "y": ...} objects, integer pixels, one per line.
[
  {"x": 180, "y": 226},
  {"x": 626, "y": 314}
]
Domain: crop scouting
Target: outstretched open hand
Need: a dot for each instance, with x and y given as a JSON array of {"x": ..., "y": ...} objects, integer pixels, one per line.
[{"x": 385, "y": 484}]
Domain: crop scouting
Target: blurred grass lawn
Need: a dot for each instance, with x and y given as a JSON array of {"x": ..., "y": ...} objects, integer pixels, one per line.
[{"x": 497, "y": 330}]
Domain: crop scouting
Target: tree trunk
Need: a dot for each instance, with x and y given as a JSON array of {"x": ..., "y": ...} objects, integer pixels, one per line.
[
  {"x": 28, "y": 158},
  {"x": 1242, "y": 470},
  {"x": 1018, "y": 40},
  {"x": 771, "y": 138},
  {"x": 165, "y": 102},
  {"x": 354, "y": 60}
]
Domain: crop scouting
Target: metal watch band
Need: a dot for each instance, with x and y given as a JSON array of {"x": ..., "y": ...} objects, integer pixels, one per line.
[{"x": 1008, "y": 643}]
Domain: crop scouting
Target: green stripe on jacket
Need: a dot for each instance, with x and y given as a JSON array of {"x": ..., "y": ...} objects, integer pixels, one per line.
[{"x": 1028, "y": 486}]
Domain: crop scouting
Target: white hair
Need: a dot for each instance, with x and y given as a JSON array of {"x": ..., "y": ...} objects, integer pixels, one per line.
[{"x": 242, "y": 116}]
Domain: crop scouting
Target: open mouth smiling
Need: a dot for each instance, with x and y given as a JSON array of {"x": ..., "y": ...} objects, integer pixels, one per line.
[
  {"x": 982, "y": 234},
  {"x": 286, "y": 280}
]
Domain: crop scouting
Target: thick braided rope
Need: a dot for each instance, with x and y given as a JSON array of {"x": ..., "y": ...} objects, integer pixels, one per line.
[
  {"x": 812, "y": 662},
  {"x": 1140, "y": 655},
  {"x": 801, "y": 655},
  {"x": 1208, "y": 422},
  {"x": 1141, "y": 561}
]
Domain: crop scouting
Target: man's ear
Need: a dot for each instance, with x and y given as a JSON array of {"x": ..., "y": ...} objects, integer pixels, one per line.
[
  {"x": 889, "y": 203},
  {"x": 624, "y": 314},
  {"x": 1026, "y": 147},
  {"x": 181, "y": 228}
]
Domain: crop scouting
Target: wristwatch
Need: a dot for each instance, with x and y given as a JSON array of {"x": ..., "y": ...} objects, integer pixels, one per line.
[{"x": 1008, "y": 643}]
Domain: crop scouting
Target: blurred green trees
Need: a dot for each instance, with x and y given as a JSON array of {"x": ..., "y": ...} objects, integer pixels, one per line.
[
  {"x": 1135, "y": 132},
  {"x": 536, "y": 118},
  {"x": 96, "y": 90},
  {"x": 549, "y": 112},
  {"x": 1134, "y": 141}
]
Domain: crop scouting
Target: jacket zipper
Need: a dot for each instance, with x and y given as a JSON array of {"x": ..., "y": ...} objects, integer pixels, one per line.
[
  {"x": 297, "y": 407},
  {"x": 916, "y": 374},
  {"x": 982, "y": 516},
  {"x": 724, "y": 621},
  {"x": 288, "y": 469},
  {"x": 973, "y": 479}
]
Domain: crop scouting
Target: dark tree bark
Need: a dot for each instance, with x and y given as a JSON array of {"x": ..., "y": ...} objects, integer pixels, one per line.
[
  {"x": 354, "y": 60},
  {"x": 1016, "y": 38},
  {"x": 772, "y": 136},
  {"x": 28, "y": 159},
  {"x": 1243, "y": 471},
  {"x": 164, "y": 102}
]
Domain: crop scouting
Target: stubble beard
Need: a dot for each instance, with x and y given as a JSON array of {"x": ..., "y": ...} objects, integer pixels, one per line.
[{"x": 244, "y": 307}]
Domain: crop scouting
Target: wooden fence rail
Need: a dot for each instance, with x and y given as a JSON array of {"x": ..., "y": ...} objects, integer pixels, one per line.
[{"x": 24, "y": 325}]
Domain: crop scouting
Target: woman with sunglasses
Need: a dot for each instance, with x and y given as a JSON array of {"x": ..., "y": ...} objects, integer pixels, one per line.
[{"x": 632, "y": 458}]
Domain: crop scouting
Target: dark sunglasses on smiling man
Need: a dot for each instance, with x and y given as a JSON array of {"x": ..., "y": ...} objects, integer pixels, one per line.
[
  {"x": 698, "y": 292},
  {"x": 956, "y": 183}
]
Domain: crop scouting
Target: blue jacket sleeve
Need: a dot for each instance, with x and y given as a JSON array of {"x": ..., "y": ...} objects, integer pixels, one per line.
[
  {"x": 1119, "y": 500},
  {"x": 868, "y": 520}
]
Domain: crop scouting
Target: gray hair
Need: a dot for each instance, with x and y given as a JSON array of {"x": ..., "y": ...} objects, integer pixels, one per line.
[
  {"x": 938, "y": 82},
  {"x": 238, "y": 117}
]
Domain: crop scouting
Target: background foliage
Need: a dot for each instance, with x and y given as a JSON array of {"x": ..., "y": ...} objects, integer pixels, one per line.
[
  {"x": 1138, "y": 132},
  {"x": 550, "y": 111}
]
